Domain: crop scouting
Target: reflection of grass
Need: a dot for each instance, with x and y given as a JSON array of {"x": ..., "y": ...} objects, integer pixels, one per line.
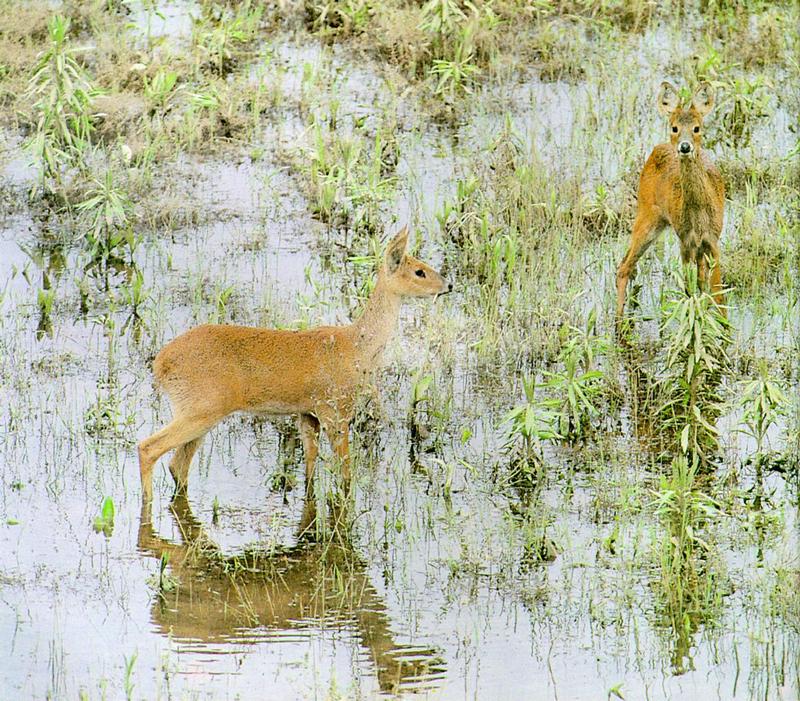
[{"x": 688, "y": 590}]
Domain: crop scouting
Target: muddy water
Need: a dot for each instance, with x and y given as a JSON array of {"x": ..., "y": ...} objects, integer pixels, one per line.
[{"x": 426, "y": 592}]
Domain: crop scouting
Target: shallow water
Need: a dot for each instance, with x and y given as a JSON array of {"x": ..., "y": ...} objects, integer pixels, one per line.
[
  {"x": 427, "y": 593},
  {"x": 169, "y": 19}
]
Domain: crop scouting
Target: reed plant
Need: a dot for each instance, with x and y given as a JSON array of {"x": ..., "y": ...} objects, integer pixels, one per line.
[
  {"x": 62, "y": 93},
  {"x": 697, "y": 335}
]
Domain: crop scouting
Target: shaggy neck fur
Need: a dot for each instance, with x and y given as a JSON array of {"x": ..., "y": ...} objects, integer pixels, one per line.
[{"x": 697, "y": 210}]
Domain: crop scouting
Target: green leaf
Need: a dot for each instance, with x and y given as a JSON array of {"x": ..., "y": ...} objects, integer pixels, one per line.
[
  {"x": 108, "y": 509},
  {"x": 616, "y": 690}
]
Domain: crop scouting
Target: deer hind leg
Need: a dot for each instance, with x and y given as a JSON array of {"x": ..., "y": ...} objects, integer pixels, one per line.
[
  {"x": 181, "y": 430},
  {"x": 646, "y": 228},
  {"x": 309, "y": 432},
  {"x": 179, "y": 465}
]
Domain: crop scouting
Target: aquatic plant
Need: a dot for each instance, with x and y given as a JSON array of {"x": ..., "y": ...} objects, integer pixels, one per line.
[
  {"x": 528, "y": 425},
  {"x": 222, "y": 33},
  {"x": 339, "y": 17},
  {"x": 349, "y": 179},
  {"x": 159, "y": 90},
  {"x": 106, "y": 214},
  {"x": 459, "y": 36},
  {"x": 130, "y": 662},
  {"x": 105, "y": 521},
  {"x": 62, "y": 91},
  {"x": 456, "y": 73},
  {"x": 764, "y": 402},
  {"x": 697, "y": 338}
]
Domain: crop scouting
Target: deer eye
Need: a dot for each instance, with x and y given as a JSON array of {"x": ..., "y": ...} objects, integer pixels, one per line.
[
  {"x": 697, "y": 130},
  {"x": 420, "y": 273},
  {"x": 674, "y": 130}
]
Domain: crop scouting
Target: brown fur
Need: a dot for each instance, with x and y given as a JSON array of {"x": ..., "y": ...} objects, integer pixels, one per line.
[
  {"x": 211, "y": 371},
  {"x": 684, "y": 191}
]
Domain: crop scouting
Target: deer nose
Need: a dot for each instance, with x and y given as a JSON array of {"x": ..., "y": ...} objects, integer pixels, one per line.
[
  {"x": 685, "y": 147},
  {"x": 449, "y": 286}
]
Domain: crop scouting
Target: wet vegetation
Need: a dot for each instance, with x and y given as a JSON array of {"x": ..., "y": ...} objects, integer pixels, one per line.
[{"x": 544, "y": 504}]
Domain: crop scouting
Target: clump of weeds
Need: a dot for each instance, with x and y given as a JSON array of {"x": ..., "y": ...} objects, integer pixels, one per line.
[
  {"x": 24, "y": 32},
  {"x": 559, "y": 49},
  {"x": 581, "y": 386},
  {"x": 62, "y": 94},
  {"x": 338, "y": 17},
  {"x": 445, "y": 41},
  {"x": 351, "y": 178},
  {"x": 627, "y": 15},
  {"x": 690, "y": 389},
  {"x": 746, "y": 101},
  {"x": 757, "y": 41},
  {"x": 527, "y": 427},
  {"x": 568, "y": 405},
  {"x": 160, "y": 90},
  {"x": 764, "y": 403},
  {"x": 761, "y": 253},
  {"x": 462, "y": 38},
  {"x": 107, "y": 217},
  {"x": 223, "y": 33},
  {"x": 452, "y": 44}
]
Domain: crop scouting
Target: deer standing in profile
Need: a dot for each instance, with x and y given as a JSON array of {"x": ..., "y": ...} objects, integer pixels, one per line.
[
  {"x": 212, "y": 371},
  {"x": 681, "y": 187}
]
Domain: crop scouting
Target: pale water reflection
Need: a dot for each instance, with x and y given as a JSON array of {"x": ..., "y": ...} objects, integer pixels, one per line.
[{"x": 207, "y": 598}]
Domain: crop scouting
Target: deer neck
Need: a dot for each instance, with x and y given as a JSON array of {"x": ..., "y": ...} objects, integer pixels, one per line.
[
  {"x": 696, "y": 218},
  {"x": 694, "y": 183},
  {"x": 373, "y": 329}
]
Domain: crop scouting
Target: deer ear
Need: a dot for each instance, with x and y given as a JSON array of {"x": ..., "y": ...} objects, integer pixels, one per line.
[
  {"x": 668, "y": 98},
  {"x": 703, "y": 99},
  {"x": 396, "y": 250}
]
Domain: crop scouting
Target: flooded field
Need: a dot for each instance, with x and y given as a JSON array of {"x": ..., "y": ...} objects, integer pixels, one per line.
[{"x": 544, "y": 504}]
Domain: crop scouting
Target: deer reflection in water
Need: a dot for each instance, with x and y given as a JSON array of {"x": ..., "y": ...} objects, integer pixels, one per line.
[{"x": 228, "y": 598}]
